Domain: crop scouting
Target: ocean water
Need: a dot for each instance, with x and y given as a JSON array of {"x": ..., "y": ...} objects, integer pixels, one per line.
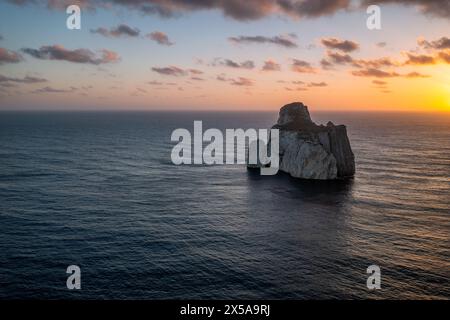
[{"x": 98, "y": 190}]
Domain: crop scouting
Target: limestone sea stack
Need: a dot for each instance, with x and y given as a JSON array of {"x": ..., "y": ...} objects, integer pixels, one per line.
[{"x": 311, "y": 151}]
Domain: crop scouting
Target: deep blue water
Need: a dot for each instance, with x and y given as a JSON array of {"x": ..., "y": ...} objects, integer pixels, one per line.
[{"x": 98, "y": 190}]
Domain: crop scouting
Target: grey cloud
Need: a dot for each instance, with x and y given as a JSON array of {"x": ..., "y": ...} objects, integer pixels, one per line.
[
  {"x": 170, "y": 71},
  {"x": 416, "y": 75},
  {"x": 442, "y": 43},
  {"x": 317, "y": 84},
  {"x": 195, "y": 71},
  {"x": 57, "y": 52},
  {"x": 419, "y": 59},
  {"x": 375, "y": 63},
  {"x": 339, "y": 58},
  {"x": 155, "y": 83},
  {"x": 376, "y": 73},
  {"x": 296, "y": 89},
  {"x": 336, "y": 58},
  {"x": 160, "y": 37},
  {"x": 7, "y": 56},
  {"x": 241, "y": 81},
  {"x": 326, "y": 64},
  {"x": 380, "y": 83},
  {"x": 248, "y": 9},
  {"x": 120, "y": 31},
  {"x": 221, "y": 77},
  {"x": 338, "y": 44},
  {"x": 27, "y": 79},
  {"x": 53, "y": 90},
  {"x": 277, "y": 40},
  {"x": 233, "y": 64},
  {"x": 445, "y": 56},
  {"x": 302, "y": 66},
  {"x": 312, "y": 8},
  {"x": 271, "y": 65},
  {"x": 438, "y": 8}
]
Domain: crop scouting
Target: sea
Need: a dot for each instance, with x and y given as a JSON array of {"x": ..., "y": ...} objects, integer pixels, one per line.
[{"x": 99, "y": 190}]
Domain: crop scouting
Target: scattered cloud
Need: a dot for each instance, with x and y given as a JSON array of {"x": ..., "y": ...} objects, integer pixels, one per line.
[
  {"x": 442, "y": 43},
  {"x": 437, "y": 8},
  {"x": 381, "y": 44},
  {"x": 375, "y": 63},
  {"x": 419, "y": 59},
  {"x": 317, "y": 84},
  {"x": 445, "y": 56},
  {"x": 160, "y": 38},
  {"x": 195, "y": 71},
  {"x": 302, "y": 66},
  {"x": 53, "y": 90},
  {"x": 246, "y": 10},
  {"x": 326, "y": 64},
  {"x": 239, "y": 10},
  {"x": 241, "y": 82},
  {"x": 155, "y": 83},
  {"x": 312, "y": 8},
  {"x": 338, "y": 44},
  {"x": 170, "y": 71},
  {"x": 120, "y": 31},
  {"x": 377, "y": 73},
  {"x": 380, "y": 83},
  {"x": 439, "y": 51},
  {"x": 7, "y": 56},
  {"x": 296, "y": 89},
  {"x": 248, "y": 64},
  {"x": 27, "y": 79},
  {"x": 271, "y": 65},
  {"x": 302, "y": 86},
  {"x": 338, "y": 58},
  {"x": 57, "y": 52},
  {"x": 221, "y": 77},
  {"x": 416, "y": 75},
  {"x": 282, "y": 41}
]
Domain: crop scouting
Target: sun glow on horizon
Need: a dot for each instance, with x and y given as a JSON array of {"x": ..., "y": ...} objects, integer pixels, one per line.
[{"x": 205, "y": 60}]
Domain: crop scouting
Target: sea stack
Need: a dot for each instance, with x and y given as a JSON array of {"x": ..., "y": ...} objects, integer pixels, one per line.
[{"x": 311, "y": 151}]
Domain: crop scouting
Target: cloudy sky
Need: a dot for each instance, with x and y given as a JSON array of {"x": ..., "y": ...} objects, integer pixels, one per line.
[{"x": 225, "y": 54}]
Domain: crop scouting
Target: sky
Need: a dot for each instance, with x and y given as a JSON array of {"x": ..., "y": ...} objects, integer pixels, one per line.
[{"x": 225, "y": 55}]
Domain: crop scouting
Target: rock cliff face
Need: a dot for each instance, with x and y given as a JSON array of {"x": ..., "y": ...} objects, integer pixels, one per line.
[{"x": 311, "y": 151}]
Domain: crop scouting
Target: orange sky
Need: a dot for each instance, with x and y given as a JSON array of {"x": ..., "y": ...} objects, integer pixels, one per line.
[{"x": 259, "y": 58}]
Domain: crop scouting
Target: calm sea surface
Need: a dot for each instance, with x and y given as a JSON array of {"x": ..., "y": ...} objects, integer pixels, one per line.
[{"x": 99, "y": 190}]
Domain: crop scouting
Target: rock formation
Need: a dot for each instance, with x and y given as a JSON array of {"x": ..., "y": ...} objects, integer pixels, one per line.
[{"x": 311, "y": 151}]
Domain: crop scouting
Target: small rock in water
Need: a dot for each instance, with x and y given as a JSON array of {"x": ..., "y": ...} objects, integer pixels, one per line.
[{"x": 310, "y": 151}]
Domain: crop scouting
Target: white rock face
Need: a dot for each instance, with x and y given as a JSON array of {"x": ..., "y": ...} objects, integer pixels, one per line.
[
  {"x": 309, "y": 151},
  {"x": 305, "y": 159}
]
